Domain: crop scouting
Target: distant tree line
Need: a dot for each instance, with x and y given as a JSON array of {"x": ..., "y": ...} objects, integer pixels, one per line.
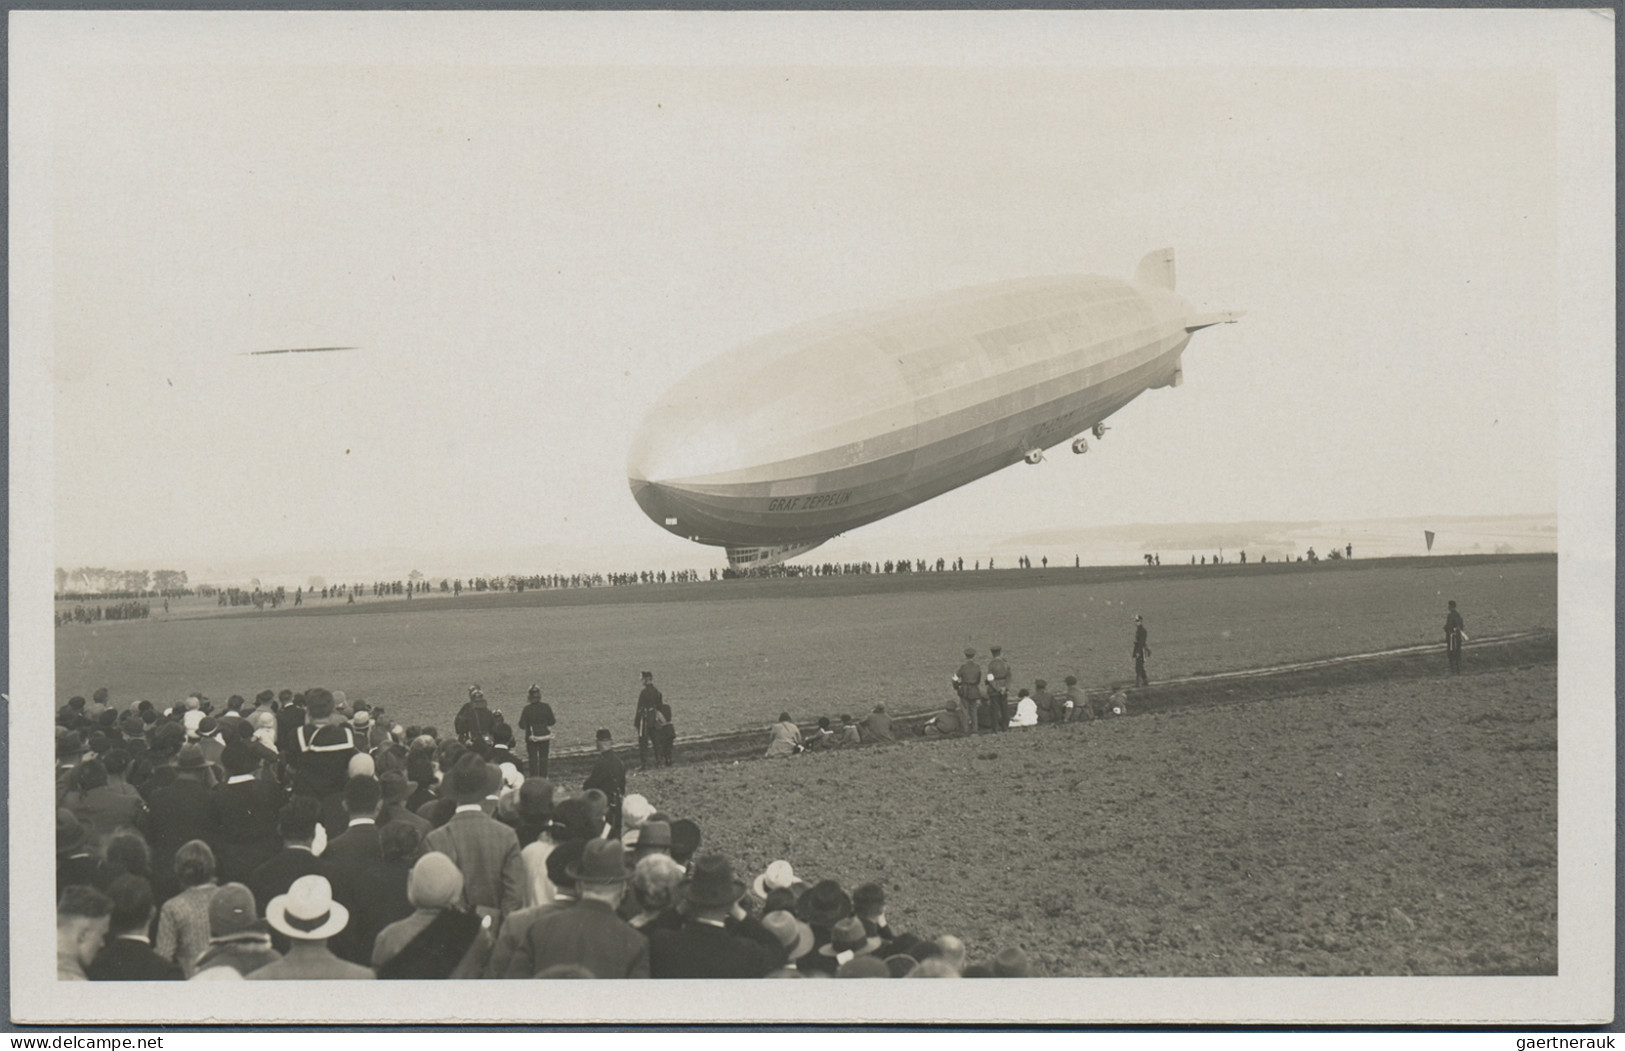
[{"x": 98, "y": 582}]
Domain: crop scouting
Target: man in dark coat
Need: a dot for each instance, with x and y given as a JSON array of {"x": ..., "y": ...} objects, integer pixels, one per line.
[
  {"x": 127, "y": 955},
  {"x": 968, "y": 685},
  {"x": 536, "y": 723},
  {"x": 608, "y": 775},
  {"x": 357, "y": 847},
  {"x": 704, "y": 947},
  {"x": 322, "y": 749},
  {"x": 589, "y": 934},
  {"x": 474, "y": 723},
  {"x": 1141, "y": 652},
  {"x": 245, "y": 814},
  {"x": 648, "y": 701},
  {"x": 1455, "y": 634},
  {"x": 297, "y": 823},
  {"x": 998, "y": 690},
  {"x": 179, "y": 813}
]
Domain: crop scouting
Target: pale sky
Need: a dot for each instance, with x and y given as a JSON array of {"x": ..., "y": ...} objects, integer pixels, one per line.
[{"x": 530, "y": 225}]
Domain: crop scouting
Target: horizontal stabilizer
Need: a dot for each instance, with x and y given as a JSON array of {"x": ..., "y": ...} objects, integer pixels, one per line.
[
  {"x": 1156, "y": 269},
  {"x": 1223, "y": 317}
]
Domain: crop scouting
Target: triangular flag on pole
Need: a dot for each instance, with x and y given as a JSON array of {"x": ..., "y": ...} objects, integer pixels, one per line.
[{"x": 1429, "y": 534}]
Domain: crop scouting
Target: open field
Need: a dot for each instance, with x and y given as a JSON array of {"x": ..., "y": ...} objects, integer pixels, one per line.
[
  {"x": 1371, "y": 829},
  {"x": 735, "y": 653}
]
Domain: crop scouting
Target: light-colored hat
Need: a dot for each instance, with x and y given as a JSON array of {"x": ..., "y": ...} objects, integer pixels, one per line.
[
  {"x": 192, "y": 720},
  {"x": 635, "y": 810},
  {"x": 361, "y": 720},
  {"x": 307, "y": 912},
  {"x": 435, "y": 883},
  {"x": 512, "y": 779},
  {"x": 339, "y": 700},
  {"x": 778, "y": 876},
  {"x": 263, "y": 719},
  {"x": 361, "y": 765}
]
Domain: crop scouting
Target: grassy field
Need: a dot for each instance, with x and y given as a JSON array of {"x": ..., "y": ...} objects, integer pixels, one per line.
[{"x": 735, "y": 653}]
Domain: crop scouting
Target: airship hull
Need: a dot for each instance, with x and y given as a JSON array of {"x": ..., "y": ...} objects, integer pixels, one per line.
[{"x": 806, "y": 434}]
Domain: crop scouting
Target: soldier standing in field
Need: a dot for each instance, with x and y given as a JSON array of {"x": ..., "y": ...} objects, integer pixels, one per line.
[
  {"x": 642, "y": 720},
  {"x": 968, "y": 684},
  {"x": 1454, "y": 635},
  {"x": 536, "y": 723},
  {"x": 998, "y": 690},
  {"x": 1141, "y": 652}
]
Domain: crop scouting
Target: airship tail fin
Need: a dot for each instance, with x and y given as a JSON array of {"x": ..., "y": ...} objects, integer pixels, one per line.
[
  {"x": 1156, "y": 269},
  {"x": 1223, "y": 317}
]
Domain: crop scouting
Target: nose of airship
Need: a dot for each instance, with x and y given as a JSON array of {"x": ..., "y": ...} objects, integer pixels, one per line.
[{"x": 652, "y": 499}]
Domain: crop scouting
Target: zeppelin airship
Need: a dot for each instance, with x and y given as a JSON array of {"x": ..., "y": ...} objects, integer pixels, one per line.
[{"x": 796, "y": 437}]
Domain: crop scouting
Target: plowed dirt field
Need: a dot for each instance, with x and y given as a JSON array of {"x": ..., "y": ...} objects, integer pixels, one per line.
[{"x": 1379, "y": 829}]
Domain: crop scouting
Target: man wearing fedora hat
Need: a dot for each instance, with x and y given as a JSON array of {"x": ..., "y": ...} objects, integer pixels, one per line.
[
  {"x": 486, "y": 850},
  {"x": 589, "y": 934},
  {"x": 704, "y": 946},
  {"x": 308, "y": 916},
  {"x": 395, "y": 790}
]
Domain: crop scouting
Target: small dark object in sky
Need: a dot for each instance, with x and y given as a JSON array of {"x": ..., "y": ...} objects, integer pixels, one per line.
[{"x": 298, "y": 350}]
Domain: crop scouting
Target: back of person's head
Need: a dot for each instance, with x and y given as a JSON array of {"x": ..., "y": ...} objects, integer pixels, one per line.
[
  {"x": 561, "y": 859},
  {"x": 296, "y": 822},
  {"x": 502, "y": 734},
  {"x": 399, "y": 841},
  {"x": 127, "y": 853},
  {"x": 82, "y": 902},
  {"x": 115, "y": 762},
  {"x": 91, "y": 774},
  {"x": 238, "y": 759},
  {"x": 132, "y": 904},
  {"x": 685, "y": 839},
  {"x": 420, "y": 768},
  {"x": 869, "y": 900},
  {"x": 447, "y": 753},
  {"x": 935, "y": 967},
  {"x": 194, "y": 863},
  {"x": 654, "y": 881},
  {"x": 318, "y": 704},
  {"x": 577, "y": 819},
  {"x": 536, "y": 800},
  {"x": 435, "y": 882},
  {"x": 952, "y": 950},
  {"x": 597, "y": 805},
  {"x": 362, "y": 796}
]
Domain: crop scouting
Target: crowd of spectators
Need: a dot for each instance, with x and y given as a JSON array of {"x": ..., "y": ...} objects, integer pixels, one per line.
[
  {"x": 83, "y": 614},
  {"x": 297, "y": 836}
]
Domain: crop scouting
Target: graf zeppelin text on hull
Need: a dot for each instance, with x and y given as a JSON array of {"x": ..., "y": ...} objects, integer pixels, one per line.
[{"x": 796, "y": 437}]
